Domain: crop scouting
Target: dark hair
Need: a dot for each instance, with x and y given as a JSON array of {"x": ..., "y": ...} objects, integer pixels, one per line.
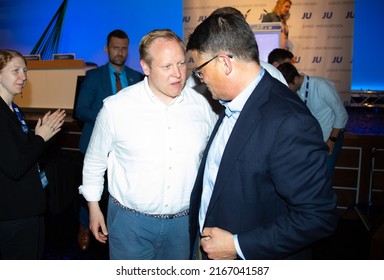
[
  {"x": 225, "y": 32},
  {"x": 118, "y": 34},
  {"x": 289, "y": 72},
  {"x": 7, "y": 55},
  {"x": 227, "y": 10},
  {"x": 279, "y": 55}
]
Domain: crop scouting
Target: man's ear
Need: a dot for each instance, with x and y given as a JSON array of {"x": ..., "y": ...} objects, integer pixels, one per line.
[
  {"x": 227, "y": 64},
  {"x": 145, "y": 67}
]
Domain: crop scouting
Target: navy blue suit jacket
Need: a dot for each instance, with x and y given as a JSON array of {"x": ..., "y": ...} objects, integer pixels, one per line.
[
  {"x": 95, "y": 88},
  {"x": 272, "y": 187}
]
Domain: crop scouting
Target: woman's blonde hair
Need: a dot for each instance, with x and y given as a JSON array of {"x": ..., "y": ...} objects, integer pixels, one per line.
[{"x": 279, "y": 4}]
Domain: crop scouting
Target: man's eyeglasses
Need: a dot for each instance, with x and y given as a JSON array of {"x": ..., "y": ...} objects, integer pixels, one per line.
[{"x": 195, "y": 71}]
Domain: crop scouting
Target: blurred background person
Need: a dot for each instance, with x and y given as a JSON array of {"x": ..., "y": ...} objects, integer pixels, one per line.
[
  {"x": 280, "y": 13},
  {"x": 278, "y": 56},
  {"x": 322, "y": 99}
]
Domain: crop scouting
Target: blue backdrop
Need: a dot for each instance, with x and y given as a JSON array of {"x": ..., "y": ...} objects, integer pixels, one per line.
[
  {"x": 86, "y": 24},
  {"x": 367, "y": 71}
]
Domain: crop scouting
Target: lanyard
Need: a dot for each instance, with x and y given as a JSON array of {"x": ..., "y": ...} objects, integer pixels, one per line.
[
  {"x": 306, "y": 90},
  {"x": 24, "y": 125}
]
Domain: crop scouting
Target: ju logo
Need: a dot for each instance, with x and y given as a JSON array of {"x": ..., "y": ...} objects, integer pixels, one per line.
[
  {"x": 201, "y": 18},
  {"x": 317, "y": 59},
  {"x": 337, "y": 59},
  {"x": 327, "y": 15},
  {"x": 350, "y": 15},
  {"x": 306, "y": 15},
  {"x": 187, "y": 19}
]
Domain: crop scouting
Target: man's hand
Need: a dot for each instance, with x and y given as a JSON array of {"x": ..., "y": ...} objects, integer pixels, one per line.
[
  {"x": 96, "y": 222},
  {"x": 218, "y": 244}
]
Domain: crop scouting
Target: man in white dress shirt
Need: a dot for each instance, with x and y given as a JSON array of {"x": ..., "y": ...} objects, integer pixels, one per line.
[{"x": 150, "y": 137}]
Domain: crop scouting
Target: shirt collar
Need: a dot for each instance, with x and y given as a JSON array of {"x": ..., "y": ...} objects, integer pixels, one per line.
[
  {"x": 112, "y": 69},
  {"x": 237, "y": 104}
]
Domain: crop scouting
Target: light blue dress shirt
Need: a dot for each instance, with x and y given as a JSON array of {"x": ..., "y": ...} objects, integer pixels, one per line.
[{"x": 324, "y": 102}]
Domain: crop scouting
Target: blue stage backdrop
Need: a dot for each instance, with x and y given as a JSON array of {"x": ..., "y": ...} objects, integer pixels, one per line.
[
  {"x": 86, "y": 24},
  {"x": 367, "y": 71}
]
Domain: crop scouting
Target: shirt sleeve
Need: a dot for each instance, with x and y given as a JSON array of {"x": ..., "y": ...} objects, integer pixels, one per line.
[
  {"x": 333, "y": 100},
  {"x": 96, "y": 157}
]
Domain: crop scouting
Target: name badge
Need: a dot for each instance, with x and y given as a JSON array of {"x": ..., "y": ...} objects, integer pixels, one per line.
[{"x": 43, "y": 178}]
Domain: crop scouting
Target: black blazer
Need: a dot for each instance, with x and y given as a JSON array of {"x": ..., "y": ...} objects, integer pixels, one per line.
[
  {"x": 21, "y": 192},
  {"x": 272, "y": 187}
]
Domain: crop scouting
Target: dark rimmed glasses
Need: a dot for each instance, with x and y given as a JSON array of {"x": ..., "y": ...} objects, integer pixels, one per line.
[
  {"x": 195, "y": 71},
  {"x": 198, "y": 74}
]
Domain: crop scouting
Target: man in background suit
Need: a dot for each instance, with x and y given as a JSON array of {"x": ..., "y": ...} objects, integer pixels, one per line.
[
  {"x": 262, "y": 190},
  {"x": 100, "y": 83}
]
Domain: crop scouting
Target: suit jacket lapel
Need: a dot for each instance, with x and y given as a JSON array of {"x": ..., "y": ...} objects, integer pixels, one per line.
[
  {"x": 249, "y": 118},
  {"x": 106, "y": 78}
]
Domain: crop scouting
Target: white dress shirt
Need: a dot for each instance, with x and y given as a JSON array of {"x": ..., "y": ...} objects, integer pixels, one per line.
[{"x": 152, "y": 151}]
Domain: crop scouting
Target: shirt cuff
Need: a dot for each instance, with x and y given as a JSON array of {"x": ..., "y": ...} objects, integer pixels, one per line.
[
  {"x": 90, "y": 193},
  {"x": 237, "y": 246}
]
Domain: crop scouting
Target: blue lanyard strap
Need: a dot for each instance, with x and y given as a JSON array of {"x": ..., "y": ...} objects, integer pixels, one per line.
[
  {"x": 306, "y": 91},
  {"x": 24, "y": 125}
]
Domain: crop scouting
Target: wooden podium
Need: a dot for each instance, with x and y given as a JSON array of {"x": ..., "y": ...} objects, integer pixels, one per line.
[{"x": 51, "y": 84}]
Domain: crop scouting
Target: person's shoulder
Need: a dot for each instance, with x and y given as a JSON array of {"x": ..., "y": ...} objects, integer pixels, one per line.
[
  {"x": 132, "y": 72},
  {"x": 97, "y": 71},
  {"x": 129, "y": 92},
  {"x": 273, "y": 71},
  {"x": 270, "y": 17},
  {"x": 193, "y": 93},
  {"x": 321, "y": 81},
  {"x": 277, "y": 91}
]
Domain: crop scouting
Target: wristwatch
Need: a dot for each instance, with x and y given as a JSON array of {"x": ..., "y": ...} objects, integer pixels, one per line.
[{"x": 332, "y": 138}]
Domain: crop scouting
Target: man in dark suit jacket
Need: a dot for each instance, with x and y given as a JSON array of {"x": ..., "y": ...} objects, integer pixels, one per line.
[
  {"x": 262, "y": 190},
  {"x": 100, "y": 83}
]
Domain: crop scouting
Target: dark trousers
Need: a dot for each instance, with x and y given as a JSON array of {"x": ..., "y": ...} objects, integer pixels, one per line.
[{"x": 22, "y": 239}]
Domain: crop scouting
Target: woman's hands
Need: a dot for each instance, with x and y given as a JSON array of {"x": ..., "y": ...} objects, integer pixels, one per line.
[{"x": 50, "y": 124}]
